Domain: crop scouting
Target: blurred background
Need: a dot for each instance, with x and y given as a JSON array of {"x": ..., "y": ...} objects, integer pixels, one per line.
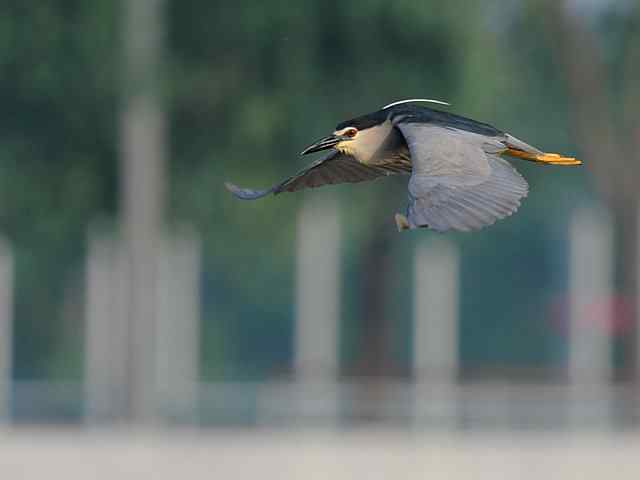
[{"x": 149, "y": 322}]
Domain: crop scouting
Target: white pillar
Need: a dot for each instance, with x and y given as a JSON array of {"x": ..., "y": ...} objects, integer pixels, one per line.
[
  {"x": 435, "y": 347},
  {"x": 6, "y": 329},
  {"x": 106, "y": 345},
  {"x": 317, "y": 291},
  {"x": 178, "y": 347},
  {"x": 590, "y": 285},
  {"x": 318, "y": 287},
  {"x": 108, "y": 360},
  {"x": 144, "y": 151}
]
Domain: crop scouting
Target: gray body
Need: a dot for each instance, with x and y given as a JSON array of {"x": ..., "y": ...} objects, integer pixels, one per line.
[{"x": 459, "y": 181}]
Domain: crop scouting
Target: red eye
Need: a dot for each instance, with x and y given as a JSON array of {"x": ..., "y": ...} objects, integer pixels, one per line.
[{"x": 351, "y": 132}]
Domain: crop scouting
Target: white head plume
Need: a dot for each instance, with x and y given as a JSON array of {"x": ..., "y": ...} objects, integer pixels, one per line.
[{"x": 416, "y": 100}]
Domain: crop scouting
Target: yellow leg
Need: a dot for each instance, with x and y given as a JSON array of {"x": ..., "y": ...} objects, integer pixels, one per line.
[
  {"x": 401, "y": 222},
  {"x": 548, "y": 158}
]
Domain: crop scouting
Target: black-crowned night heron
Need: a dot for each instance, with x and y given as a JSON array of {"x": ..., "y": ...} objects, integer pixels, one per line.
[{"x": 459, "y": 180}]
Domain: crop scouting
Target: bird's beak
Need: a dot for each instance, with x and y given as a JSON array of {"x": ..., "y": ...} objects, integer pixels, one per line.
[{"x": 325, "y": 143}]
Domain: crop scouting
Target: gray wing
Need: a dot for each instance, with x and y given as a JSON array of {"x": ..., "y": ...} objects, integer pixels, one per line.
[
  {"x": 459, "y": 182},
  {"x": 334, "y": 168}
]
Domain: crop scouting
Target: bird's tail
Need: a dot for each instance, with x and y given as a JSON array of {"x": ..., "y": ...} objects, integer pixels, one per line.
[
  {"x": 247, "y": 193},
  {"x": 548, "y": 158}
]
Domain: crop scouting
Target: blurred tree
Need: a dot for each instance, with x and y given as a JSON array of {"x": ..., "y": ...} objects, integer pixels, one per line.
[
  {"x": 58, "y": 160},
  {"x": 602, "y": 81}
]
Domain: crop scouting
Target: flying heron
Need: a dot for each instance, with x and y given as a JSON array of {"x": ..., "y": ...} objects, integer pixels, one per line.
[{"x": 459, "y": 178}]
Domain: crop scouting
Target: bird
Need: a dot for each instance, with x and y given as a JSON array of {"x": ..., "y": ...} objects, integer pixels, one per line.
[{"x": 459, "y": 179}]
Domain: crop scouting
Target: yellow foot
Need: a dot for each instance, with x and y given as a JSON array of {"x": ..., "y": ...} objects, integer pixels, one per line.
[
  {"x": 555, "y": 159},
  {"x": 548, "y": 158},
  {"x": 401, "y": 222}
]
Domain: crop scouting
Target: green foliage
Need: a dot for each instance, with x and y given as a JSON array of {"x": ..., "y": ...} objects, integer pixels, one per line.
[{"x": 57, "y": 158}]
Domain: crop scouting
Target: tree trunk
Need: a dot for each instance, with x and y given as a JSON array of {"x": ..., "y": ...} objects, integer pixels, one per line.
[
  {"x": 374, "y": 357},
  {"x": 627, "y": 220},
  {"x": 375, "y": 323}
]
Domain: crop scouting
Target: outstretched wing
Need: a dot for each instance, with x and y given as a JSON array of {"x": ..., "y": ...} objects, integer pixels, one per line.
[
  {"x": 334, "y": 168},
  {"x": 459, "y": 182}
]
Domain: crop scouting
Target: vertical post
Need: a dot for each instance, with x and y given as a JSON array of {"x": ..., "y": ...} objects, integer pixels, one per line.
[
  {"x": 106, "y": 347},
  {"x": 6, "y": 329},
  {"x": 590, "y": 280},
  {"x": 590, "y": 288},
  {"x": 318, "y": 304},
  {"x": 435, "y": 347},
  {"x": 143, "y": 178},
  {"x": 178, "y": 356}
]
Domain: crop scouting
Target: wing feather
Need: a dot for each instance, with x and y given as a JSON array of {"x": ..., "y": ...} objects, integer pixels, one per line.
[
  {"x": 332, "y": 169},
  {"x": 459, "y": 182}
]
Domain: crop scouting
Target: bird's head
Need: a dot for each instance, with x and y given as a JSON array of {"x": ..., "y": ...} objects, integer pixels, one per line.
[
  {"x": 354, "y": 135},
  {"x": 361, "y": 136},
  {"x": 338, "y": 140}
]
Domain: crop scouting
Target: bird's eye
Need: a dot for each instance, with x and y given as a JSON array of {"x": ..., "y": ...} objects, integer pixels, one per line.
[{"x": 351, "y": 132}]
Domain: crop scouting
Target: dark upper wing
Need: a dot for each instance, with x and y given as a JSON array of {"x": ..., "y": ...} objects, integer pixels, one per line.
[
  {"x": 334, "y": 168},
  {"x": 419, "y": 114},
  {"x": 459, "y": 181}
]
